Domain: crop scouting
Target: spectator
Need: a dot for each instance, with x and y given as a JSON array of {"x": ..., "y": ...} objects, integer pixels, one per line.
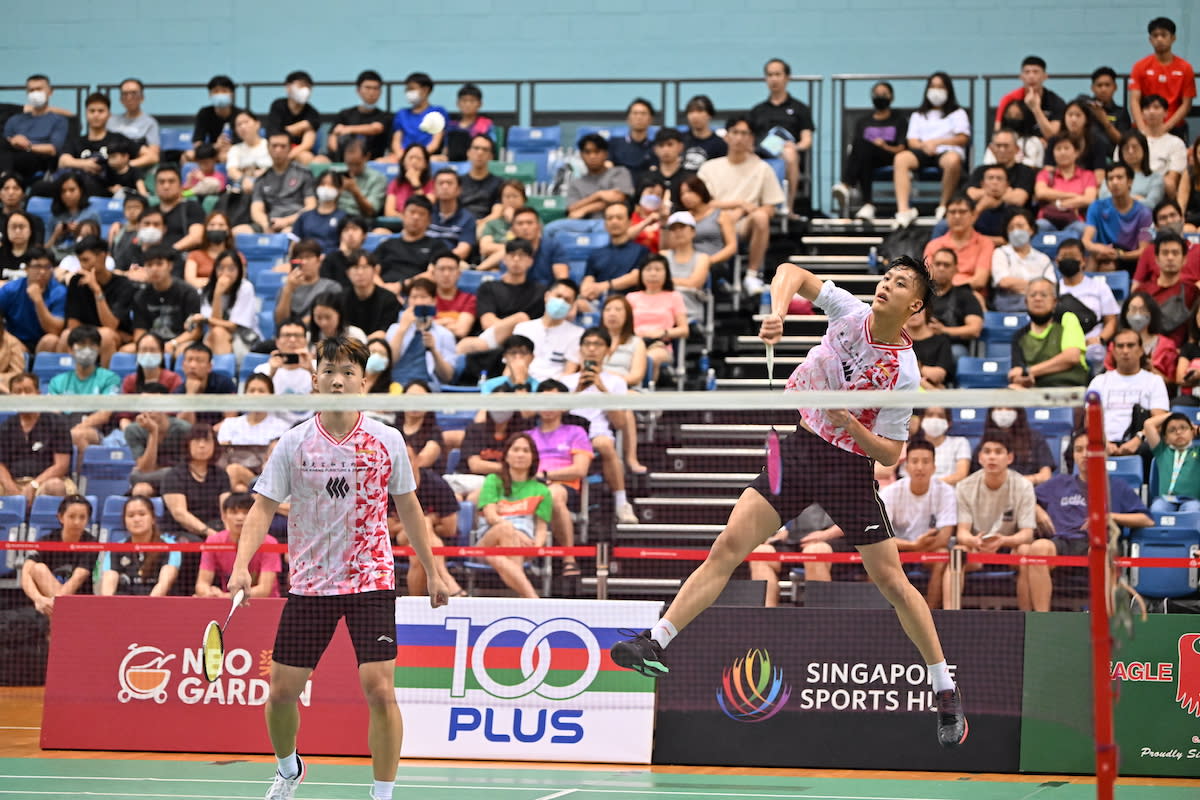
[
  {"x": 1189, "y": 190},
  {"x": 193, "y": 492},
  {"x": 424, "y": 349},
  {"x": 952, "y": 454},
  {"x": 421, "y": 430},
  {"x": 150, "y": 367},
  {"x": 783, "y": 126},
  {"x": 450, "y": 222},
  {"x": 1174, "y": 295},
  {"x": 35, "y": 305},
  {"x": 649, "y": 214},
  {"x": 69, "y": 208},
  {"x": 1187, "y": 368},
  {"x": 408, "y": 126},
  {"x": 689, "y": 269},
  {"x": 549, "y": 256},
  {"x": 455, "y": 307},
  {"x": 290, "y": 366},
  {"x": 228, "y": 319},
  {"x": 497, "y": 230},
  {"x": 1047, "y": 351},
  {"x": 1092, "y": 145},
  {"x": 1113, "y": 119},
  {"x": 1015, "y": 264},
  {"x": 659, "y": 316},
  {"x": 1168, "y": 153},
  {"x": 249, "y": 158},
  {"x": 365, "y": 304},
  {"x": 511, "y": 299},
  {"x": 323, "y": 223},
  {"x": 35, "y": 448},
  {"x": 183, "y": 218},
  {"x": 469, "y": 123},
  {"x": 205, "y": 179},
  {"x": 938, "y": 134},
  {"x": 136, "y": 125},
  {"x": 1065, "y": 191},
  {"x": 1164, "y": 74},
  {"x": 1044, "y": 106},
  {"x": 87, "y": 155},
  {"x": 517, "y": 357},
  {"x": 1094, "y": 293},
  {"x": 33, "y": 139},
  {"x": 810, "y": 532},
  {"x": 746, "y": 187},
  {"x": 133, "y": 206},
  {"x": 1031, "y": 148},
  {"x": 17, "y": 241},
  {"x": 1124, "y": 388},
  {"x": 954, "y": 310},
  {"x": 140, "y": 572},
  {"x": 293, "y": 117},
  {"x": 588, "y": 195},
  {"x": 614, "y": 267},
  {"x": 165, "y": 303},
  {"x": 515, "y": 508},
  {"x": 923, "y": 512},
  {"x": 327, "y": 321},
  {"x": 48, "y": 575},
  {"x": 157, "y": 441},
  {"x": 991, "y": 210},
  {"x": 379, "y": 372},
  {"x": 100, "y": 298},
  {"x": 440, "y": 508},
  {"x": 480, "y": 188},
  {"x": 1142, "y": 314},
  {"x": 1116, "y": 225},
  {"x": 564, "y": 456},
  {"x": 996, "y": 506},
  {"x": 973, "y": 251},
  {"x": 668, "y": 166},
  {"x": 120, "y": 176},
  {"x": 635, "y": 150},
  {"x": 414, "y": 179},
  {"x": 12, "y": 356},
  {"x": 214, "y": 123},
  {"x": 715, "y": 234},
  {"x": 1032, "y": 458},
  {"x": 403, "y": 258},
  {"x": 217, "y": 566},
  {"x": 281, "y": 193},
  {"x": 199, "y": 378},
  {"x": 1179, "y": 475},
  {"x": 303, "y": 283},
  {"x": 1147, "y": 186},
  {"x": 12, "y": 200},
  {"x": 933, "y": 351},
  {"x": 365, "y": 122},
  {"x": 363, "y": 188},
  {"x": 591, "y": 378},
  {"x": 483, "y": 443},
  {"x": 877, "y": 138},
  {"x": 700, "y": 141},
  {"x": 352, "y": 234},
  {"x": 83, "y": 342},
  {"x": 248, "y": 439},
  {"x": 198, "y": 268},
  {"x": 69, "y": 266},
  {"x": 1062, "y": 517},
  {"x": 555, "y": 339}
]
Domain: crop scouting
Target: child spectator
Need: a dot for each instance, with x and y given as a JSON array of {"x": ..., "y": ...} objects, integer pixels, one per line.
[{"x": 1170, "y": 438}]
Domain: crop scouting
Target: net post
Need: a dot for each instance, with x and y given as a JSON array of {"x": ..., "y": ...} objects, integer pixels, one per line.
[
  {"x": 603, "y": 551},
  {"x": 1098, "y": 562}
]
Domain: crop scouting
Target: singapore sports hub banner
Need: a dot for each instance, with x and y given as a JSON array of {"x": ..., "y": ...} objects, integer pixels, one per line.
[{"x": 502, "y": 678}]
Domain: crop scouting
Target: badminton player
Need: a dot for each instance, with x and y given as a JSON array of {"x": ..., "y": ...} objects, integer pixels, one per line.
[
  {"x": 830, "y": 460},
  {"x": 338, "y": 468}
]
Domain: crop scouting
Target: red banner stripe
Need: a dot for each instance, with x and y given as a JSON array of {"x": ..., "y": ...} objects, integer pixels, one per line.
[{"x": 497, "y": 658}]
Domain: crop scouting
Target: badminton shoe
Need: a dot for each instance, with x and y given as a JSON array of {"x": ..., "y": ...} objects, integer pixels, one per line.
[
  {"x": 640, "y": 654},
  {"x": 952, "y": 723},
  {"x": 285, "y": 788}
]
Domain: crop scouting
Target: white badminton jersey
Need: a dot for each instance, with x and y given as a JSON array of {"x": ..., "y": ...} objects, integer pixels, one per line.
[
  {"x": 338, "y": 539},
  {"x": 849, "y": 359}
]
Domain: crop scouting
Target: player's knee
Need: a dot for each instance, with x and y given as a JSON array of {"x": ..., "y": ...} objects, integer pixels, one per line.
[{"x": 379, "y": 694}]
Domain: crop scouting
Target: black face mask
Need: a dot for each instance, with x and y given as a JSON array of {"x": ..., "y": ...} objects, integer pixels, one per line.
[
  {"x": 1041, "y": 319},
  {"x": 881, "y": 102},
  {"x": 1069, "y": 267},
  {"x": 216, "y": 235}
]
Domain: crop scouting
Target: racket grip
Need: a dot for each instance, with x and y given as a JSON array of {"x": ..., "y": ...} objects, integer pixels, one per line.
[
  {"x": 770, "y": 366},
  {"x": 239, "y": 597}
]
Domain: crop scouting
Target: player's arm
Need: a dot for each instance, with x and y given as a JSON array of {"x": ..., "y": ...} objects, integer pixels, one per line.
[
  {"x": 258, "y": 522},
  {"x": 408, "y": 508},
  {"x": 788, "y": 281},
  {"x": 884, "y": 450}
]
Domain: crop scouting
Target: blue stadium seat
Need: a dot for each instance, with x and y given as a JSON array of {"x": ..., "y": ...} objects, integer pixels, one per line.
[
  {"x": 452, "y": 460},
  {"x": 43, "y": 515},
  {"x": 123, "y": 363},
  {"x": 105, "y": 470},
  {"x": 1118, "y": 281},
  {"x": 40, "y": 207},
  {"x": 251, "y": 362},
  {"x": 1179, "y": 520},
  {"x": 574, "y": 226},
  {"x": 469, "y": 280},
  {"x": 1192, "y": 412},
  {"x": 261, "y": 246},
  {"x": 997, "y": 350},
  {"x": 12, "y": 529},
  {"x": 1164, "y": 582},
  {"x": 577, "y": 246},
  {"x": 983, "y": 373},
  {"x": 225, "y": 364},
  {"x": 1128, "y": 469},
  {"x": 266, "y": 323},
  {"x": 388, "y": 169},
  {"x": 1048, "y": 242},
  {"x": 1002, "y": 326},
  {"x": 607, "y": 131},
  {"x": 1058, "y": 421},
  {"x": 967, "y": 421},
  {"x": 530, "y": 144},
  {"x": 175, "y": 139},
  {"x": 110, "y": 209},
  {"x": 267, "y": 285},
  {"x": 47, "y": 365},
  {"x": 373, "y": 240}
]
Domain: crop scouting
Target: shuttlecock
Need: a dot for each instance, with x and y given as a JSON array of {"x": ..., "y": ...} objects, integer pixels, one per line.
[{"x": 434, "y": 123}]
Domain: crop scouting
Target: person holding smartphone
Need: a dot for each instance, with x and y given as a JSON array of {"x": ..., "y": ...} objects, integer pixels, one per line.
[{"x": 290, "y": 366}]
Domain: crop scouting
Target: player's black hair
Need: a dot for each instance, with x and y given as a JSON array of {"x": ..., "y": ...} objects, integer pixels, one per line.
[
  {"x": 924, "y": 279},
  {"x": 343, "y": 347}
]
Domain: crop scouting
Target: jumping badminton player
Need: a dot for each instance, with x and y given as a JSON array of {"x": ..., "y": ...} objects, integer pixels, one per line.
[
  {"x": 830, "y": 460},
  {"x": 338, "y": 468}
]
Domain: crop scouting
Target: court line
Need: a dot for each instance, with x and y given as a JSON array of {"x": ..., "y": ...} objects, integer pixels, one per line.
[
  {"x": 563, "y": 793},
  {"x": 20, "y": 728}
]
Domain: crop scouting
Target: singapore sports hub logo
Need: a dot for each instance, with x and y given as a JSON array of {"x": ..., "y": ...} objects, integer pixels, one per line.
[{"x": 752, "y": 690}]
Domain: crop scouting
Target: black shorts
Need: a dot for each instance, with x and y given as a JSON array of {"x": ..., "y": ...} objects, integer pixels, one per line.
[
  {"x": 1070, "y": 545},
  {"x": 841, "y": 482},
  {"x": 308, "y": 622}
]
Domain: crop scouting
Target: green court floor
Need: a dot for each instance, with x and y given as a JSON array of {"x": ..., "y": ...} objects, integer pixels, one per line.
[{"x": 47, "y": 777}]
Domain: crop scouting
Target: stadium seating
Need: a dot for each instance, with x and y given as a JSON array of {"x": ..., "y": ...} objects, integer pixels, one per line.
[
  {"x": 12, "y": 529},
  {"x": 43, "y": 515},
  {"x": 105, "y": 470},
  {"x": 1128, "y": 469},
  {"x": 260, "y": 246},
  {"x": 251, "y": 362},
  {"x": 526, "y": 172},
  {"x": 1117, "y": 280},
  {"x": 1057, "y": 421},
  {"x": 1164, "y": 582},
  {"x": 225, "y": 364},
  {"x": 1179, "y": 520},
  {"x": 469, "y": 280},
  {"x": 967, "y": 421},
  {"x": 534, "y": 145},
  {"x": 1048, "y": 243},
  {"x": 1002, "y": 326},
  {"x": 549, "y": 208},
  {"x": 1192, "y": 412},
  {"x": 388, "y": 169},
  {"x": 175, "y": 140},
  {"x": 983, "y": 373},
  {"x": 123, "y": 363},
  {"x": 373, "y": 240},
  {"x": 266, "y": 322},
  {"x": 47, "y": 365},
  {"x": 40, "y": 207},
  {"x": 267, "y": 285},
  {"x": 110, "y": 209}
]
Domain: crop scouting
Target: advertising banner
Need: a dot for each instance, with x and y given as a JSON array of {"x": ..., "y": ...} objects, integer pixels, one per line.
[
  {"x": 1157, "y": 715},
  {"x": 843, "y": 688},
  {"x": 125, "y": 673},
  {"x": 530, "y": 680}
]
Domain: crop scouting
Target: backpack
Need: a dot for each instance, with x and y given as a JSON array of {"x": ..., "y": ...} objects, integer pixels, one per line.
[
  {"x": 1069, "y": 302},
  {"x": 908, "y": 241}
]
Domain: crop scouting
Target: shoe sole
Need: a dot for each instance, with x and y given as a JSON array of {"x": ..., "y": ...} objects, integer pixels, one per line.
[
  {"x": 623, "y": 658},
  {"x": 952, "y": 745}
]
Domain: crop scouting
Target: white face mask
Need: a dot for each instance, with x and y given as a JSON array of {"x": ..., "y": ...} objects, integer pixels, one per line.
[
  {"x": 37, "y": 98},
  {"x": 300, "y": 94},
  {"x": 1004, "y": 417},
  {"x": 937, "y": 97},
  {"x": 935, "y": 427},
  {"x": 149, "y": 236},
  {"x": 327, "y": 194},
  {"x": 650, "y": 202},
  {"x": 412, "y": 96}
]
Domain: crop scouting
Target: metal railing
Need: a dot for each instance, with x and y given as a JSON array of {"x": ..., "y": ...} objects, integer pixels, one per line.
[{"x": 78, "y": 93}]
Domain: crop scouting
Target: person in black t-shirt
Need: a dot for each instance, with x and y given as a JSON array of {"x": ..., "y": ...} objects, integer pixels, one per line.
[
  {"x": 35, "y": 449},
  {"x": 877, "y": 138},
  {"x": 193, "y": 491},
  {"x": 669, "y": 166},
  {"x": 782, "y": 112},
  {"x": 502, "y": 304},
  {"x": 184, "y": 218},
  {"x": 701, "y": 142},
  {"x": 294, "y": 116},
  {"x": 87, "y": 154},
  {"x": 933, "y": 350},
  {"x": 214, "y": 123},
  {"x": 954, "y": 310},
  {"x": 365, "y": 304},
  {"x": 634, "y": 150},
  {"x": 480, "y": 188},
  {"x": 98, "y": 297},
  {"x": 165, "y": 302},
  {"x": 352, "y": 233},
  {"x": 47, "y": 574},
  {"x": 365, "y": 120},
  {"x": 404, "y": 257}
]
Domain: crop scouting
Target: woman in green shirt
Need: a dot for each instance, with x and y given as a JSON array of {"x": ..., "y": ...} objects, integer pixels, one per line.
[{"x": 514, "y": 511}]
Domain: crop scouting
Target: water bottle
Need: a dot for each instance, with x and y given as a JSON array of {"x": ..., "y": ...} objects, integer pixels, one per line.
[
  {"x": 873, "y": 260},
  {"x": 710, "y": 380},
  {"x": 227, "y": 131},
  {"x": 483, "y": 377},
  {"x": 704, "y": 363}
]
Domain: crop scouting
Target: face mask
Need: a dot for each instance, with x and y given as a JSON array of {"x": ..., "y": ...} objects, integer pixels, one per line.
[
  {"x": 1004, "y": 417},
  {"x": 148, "y": 237},
  {"x": 651, "y": 202},
  {"x": 412, "y": 96},
  {"x": 934, "y": 426},
  {"x": 500, "y": 417},
  {"x": 86, "y": 356},
  {"x": 376, "y": 363},
  {"x": 937, "y": 97},
  {"x": 149, "y": 360},
  {"x": 326, "y": 194},
  {"x": 216, "y": 235},
  {"x": 1139, "y": 322},
  {"x": 1041, "y": 319},
  {"x": 557, "y": 308},
  {"x": 37, "y": 98},
  {"x": 300, "y": 94},
  {"x": 1069, "y": 267},
  {"x": 1018, "y": 237},
  {"x": 881, "y": 102},
  {"x": 1171, "y": 227},
  {"x": 221, "y": 100}
]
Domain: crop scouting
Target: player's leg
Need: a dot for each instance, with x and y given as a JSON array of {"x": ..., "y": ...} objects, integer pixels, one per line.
[
  {"x": 385, "y": 731},
  {"x": 282, "y": 710}
]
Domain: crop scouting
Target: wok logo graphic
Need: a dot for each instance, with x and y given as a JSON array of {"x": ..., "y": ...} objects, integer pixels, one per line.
[
  {"x": 143, "y": 675},
  {"x": 1187, "y": 692},
  {"x": 752, "y": 690},
  {"x": 534, "y": 658}
]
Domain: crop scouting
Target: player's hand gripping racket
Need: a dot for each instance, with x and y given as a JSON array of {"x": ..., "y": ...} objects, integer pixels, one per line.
[
  {"x": 214, "y": 641},
  {"x": 774, "y": 458}
]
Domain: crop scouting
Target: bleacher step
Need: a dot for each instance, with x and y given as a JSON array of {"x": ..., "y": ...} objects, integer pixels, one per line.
[{"x": 696, "y": 430}]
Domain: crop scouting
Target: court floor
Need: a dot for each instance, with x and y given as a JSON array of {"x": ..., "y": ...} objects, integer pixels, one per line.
[{"x": 237, "y": 779}]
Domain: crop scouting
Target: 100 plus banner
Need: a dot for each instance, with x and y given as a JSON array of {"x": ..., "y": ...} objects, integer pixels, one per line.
[
  {"x": 515, "y": 679},
  {"x": 796, "y": 687}
]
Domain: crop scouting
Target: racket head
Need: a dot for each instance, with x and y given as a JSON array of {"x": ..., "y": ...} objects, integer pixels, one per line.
[
  {"x": 213, "y": 651},
  {"x": 774, "y": 462}
]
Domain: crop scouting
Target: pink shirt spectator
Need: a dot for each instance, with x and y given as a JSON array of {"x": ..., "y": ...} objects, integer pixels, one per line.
[
  {"x": 403, "y": 191},
  {"x": 557, "y": 449},
  {"x": 1080, "y": 182},
  {"x": 220, "y": 563},
  {"x": 655, "y": 311}
]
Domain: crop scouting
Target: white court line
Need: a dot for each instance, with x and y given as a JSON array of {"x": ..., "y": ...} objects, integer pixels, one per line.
[
  {"x": 20, "y": 728},
  {"x": 563, "y": 793}
]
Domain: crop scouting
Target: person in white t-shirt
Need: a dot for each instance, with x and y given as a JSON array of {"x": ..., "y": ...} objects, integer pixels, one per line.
[
  {"x": 924, "y": 513},
  {"x": 1168, "y": 153},
  {"x": 1125, "y": 386},
  {"x": 555, "y": 338},
  {"x": 290, "y": 365},
  {"x": 247, "y": 440},
  {"x": 1016, "y": 263},
  {"x": 952, "y": 454},
  {"x": 338, "y": 469},
  {"x": 938, "y": 133},
  {"x": 248, "y": 158},
  {"x": 1093, "y": 292}
]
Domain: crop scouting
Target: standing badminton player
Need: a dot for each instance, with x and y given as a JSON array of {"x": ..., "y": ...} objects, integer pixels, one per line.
[
  {"x": 830, "y": 460},
  {"x": 338, "y": 468}
]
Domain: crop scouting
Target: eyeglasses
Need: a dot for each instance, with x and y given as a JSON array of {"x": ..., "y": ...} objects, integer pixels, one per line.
[
  {"x": 485, "y": 147},
  {"x": 290, "y": 336}
]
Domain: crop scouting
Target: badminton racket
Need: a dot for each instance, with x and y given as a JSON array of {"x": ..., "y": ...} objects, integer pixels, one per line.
[
  {"x": 213, "y": 648},
  {"x": 774, "y": 457}
]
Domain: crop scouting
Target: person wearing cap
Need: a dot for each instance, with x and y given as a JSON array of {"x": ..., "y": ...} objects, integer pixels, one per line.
[
  {"x": 589, "y": 194},
  {"x": 701, "y": 142},
  {"x": 634, "y": 150},
  {"x": 668, "y": 152},
  {"x": 689, "y": 268},
  {"x": 294, "y": 116},
  {"x": 614, "y": 266},
  {"x": 503, "y": 304},
  {"x": 402, "y": 258}
]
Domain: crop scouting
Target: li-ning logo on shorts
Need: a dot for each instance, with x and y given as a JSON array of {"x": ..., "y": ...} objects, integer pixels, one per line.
[
  {"x": 337, "y": 487},
  {"x": 752, "y": 690}
]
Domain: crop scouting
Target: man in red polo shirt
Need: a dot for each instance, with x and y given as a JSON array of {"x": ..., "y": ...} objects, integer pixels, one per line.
[{"x": 1165, "y": 74}]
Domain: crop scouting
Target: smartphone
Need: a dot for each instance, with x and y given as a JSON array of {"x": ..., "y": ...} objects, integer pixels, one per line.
[
  {"x": 424, "y": 312},
  {"x": 989, "y": 535},
  {"x": 291, "y": 358},
  {"x": 589, "y": 365}
]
